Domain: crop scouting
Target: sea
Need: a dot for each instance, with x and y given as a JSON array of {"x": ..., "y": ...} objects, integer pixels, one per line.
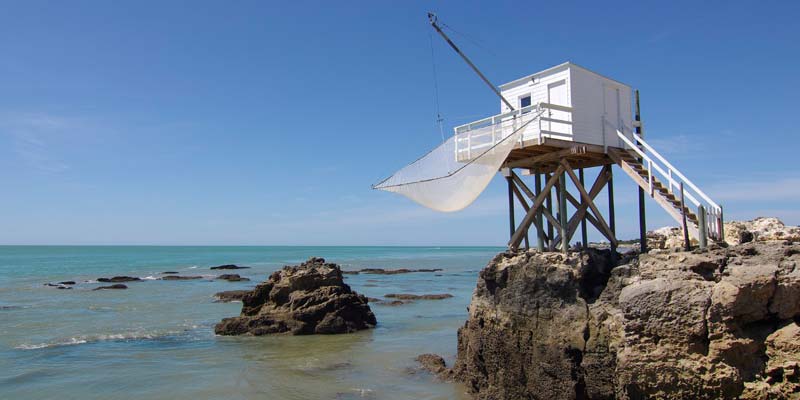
[{"x": 155, "y": 340}]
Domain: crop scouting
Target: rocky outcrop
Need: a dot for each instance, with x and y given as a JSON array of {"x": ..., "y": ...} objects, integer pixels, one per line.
[
  {"x": 381, "y": 271},
  {"x": 409, "y": 296},
  {"x": 118, "y": 279},
  {"x": 305, "y": 299},
  {"x": 435, "y": 364},
  {"x": 762, "y": 229},
  {"x": 232, "y": 278},
  {"x": 719, "y": 323},
  {"x": 230, "y": 295},
  {"x": 229, "y": 266},
  {"x": 180, "y": 277},
  {"x": 116, "y": 286}
]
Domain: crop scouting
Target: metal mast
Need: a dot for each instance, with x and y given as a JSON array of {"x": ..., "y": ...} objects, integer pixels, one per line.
[{"x": 434, "y": 22}]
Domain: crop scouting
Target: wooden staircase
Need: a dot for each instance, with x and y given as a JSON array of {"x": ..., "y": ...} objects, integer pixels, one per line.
[
  {"x": 660, "y": 193},
  {"x": 642, "y": 162}
]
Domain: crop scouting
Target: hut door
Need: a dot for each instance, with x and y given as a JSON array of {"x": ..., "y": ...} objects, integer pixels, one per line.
[{"x": 557, "y": 94}]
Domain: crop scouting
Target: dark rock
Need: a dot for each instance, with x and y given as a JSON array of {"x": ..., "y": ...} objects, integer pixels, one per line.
[
  {"x": 232, "y": 278},
  {"x": 374, "y": 300},
  {"x": 435, "y": 364},
  {"x": 114, "y": 286},
  {"x": 170, "y": 272},
  {"x": 396, "y": 302},
  {"x": 310, "y": 298},
  {"x": 409, "y": 296},
  {"x": 350, "y": 272},
  {"x": 230, "y": 295},
  {"x": 179, "y": 277},
  {"x": 381, "y": 271},
  {"x": 119, "y": 279},
  {"x": 229, "y": 266},
  {"x": 57, "y": 285},
  {"x": 67, "y": 283}
]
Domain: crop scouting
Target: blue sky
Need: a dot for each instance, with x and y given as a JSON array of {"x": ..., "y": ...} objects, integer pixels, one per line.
[{"x": 266, "y": 122}]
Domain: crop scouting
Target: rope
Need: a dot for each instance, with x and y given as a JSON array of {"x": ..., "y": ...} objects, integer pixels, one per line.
[{"x": 439, "y": 118}]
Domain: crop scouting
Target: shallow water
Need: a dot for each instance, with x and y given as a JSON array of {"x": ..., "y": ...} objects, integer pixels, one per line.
[{"x": 155, "y": 340}]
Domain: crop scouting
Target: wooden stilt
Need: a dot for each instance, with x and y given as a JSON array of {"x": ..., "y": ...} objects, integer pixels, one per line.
[
  {"x": 562, "y": 211},
  {"x": 687, "y": 245},
  {"x": 584, "y": 233},
  {"x": 539, "y": 228},
  {"x": 611, "y": 215},
  {"x": 642, "y": 213},
  {"x": 511, "y": 224},
  {"x": 549, "y": 207}
]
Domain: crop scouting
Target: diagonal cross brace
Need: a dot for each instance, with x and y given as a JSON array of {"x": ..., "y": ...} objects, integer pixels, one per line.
[{"x": 517, "y": 237}]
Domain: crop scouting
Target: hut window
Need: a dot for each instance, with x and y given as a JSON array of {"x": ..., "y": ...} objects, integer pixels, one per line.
[{"x": 525, "y": 101}]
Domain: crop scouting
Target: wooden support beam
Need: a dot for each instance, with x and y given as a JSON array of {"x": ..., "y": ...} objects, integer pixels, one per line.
[
  {"x": 582, "y": 206},
  {"x": 562, "y": 212},
  {"x": 539, "y": 227},
  {"x": 584, "y": 233},
  {"x": 604, "y": 227},
  {"x": 554, "y": 221},
  {"x": 547, "y": 157},
  {"x": 516, "y": 238}
]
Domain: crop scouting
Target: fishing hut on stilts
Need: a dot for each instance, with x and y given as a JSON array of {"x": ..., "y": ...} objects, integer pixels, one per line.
[{"x": 556, "y": 140}]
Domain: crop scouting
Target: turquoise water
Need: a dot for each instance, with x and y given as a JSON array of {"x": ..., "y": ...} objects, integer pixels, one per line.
[{"x": 155, "y": 340}]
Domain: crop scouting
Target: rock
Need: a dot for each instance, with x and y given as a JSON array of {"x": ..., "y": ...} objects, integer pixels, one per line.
[
  {"x": 381, "y": 271},
  {"x": 310, "y": 298},
  {"x": 230, "y": 295},
  {"x": 229, "y": 266},
  {"x": 66, "y": 283},
  {"x": 114, "y": 286},
  {"x": 232, "y": 278},
  {"x": 350, "y": 272},
  {"x": 736, "y": 232},
  {"x": 435, "y": 364},
  {"x": 761, "y": 229},
  {"x": 58, "y": 285},
  {"x": 721, "y": 323},
  {"x": 179, "y": 277},
  {"x": 119, "y": 279},
  {"x": 408, "y": 296},
  {"x": 170, "y": 272}
]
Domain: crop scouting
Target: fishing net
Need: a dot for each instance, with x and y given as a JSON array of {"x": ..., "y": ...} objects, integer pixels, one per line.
[{"x": 453, "y": 175}]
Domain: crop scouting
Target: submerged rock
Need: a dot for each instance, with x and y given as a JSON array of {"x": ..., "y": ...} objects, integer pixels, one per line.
[
  {"x": 435, "y": 364},
  {"x": 179, "y": 277},
  {"x": 229, "y": 266},
  {"x": 230, "y": 295},
  {"x": 310, "y": 298},
  {"x": 232, "y": 278},
  {"x": 119, "y": 279},
  {"x": 115, "y": 286},
  {"x": 66, "y": 283},
  {"x": 706, "y": 324},
  {"x": 409, "y": 296}
]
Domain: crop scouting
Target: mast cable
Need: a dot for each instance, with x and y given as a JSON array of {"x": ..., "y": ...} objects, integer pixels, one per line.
[
  {"x": 434, "y": 22},
  {"x": 439, "y": 119}
]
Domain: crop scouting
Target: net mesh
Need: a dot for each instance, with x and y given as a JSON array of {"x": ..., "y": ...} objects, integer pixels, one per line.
[{"x": 453, "y": 175}]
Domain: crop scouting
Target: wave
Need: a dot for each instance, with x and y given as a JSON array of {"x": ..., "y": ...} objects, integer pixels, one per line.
[{"x": 83, "y": 339}]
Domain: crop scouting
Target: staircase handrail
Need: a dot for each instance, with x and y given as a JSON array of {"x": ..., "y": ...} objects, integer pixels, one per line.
[
  {"x": 651, "y": 164},
  {"x": 685, "y": 180}
]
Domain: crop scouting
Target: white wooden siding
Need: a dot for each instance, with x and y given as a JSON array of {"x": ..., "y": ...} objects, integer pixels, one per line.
[{"x": 593, "y": 98}]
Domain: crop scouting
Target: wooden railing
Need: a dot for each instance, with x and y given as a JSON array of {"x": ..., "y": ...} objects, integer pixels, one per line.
[{"x": 709, "y": 213}]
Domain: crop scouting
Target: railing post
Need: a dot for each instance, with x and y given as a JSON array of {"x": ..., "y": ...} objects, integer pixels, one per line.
[
  {"x": 721, "y": 225},
  {"x": 650, "y": 176},
  {"x": 702, "y": 227}
]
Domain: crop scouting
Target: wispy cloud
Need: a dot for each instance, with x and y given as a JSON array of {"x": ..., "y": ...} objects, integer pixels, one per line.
[
  {"x": 768, "y": 189},
  {"x": 32, "y": 136}
]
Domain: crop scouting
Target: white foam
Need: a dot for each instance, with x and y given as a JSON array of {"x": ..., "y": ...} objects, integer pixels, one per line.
[{"x": 95, "y": 338}]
